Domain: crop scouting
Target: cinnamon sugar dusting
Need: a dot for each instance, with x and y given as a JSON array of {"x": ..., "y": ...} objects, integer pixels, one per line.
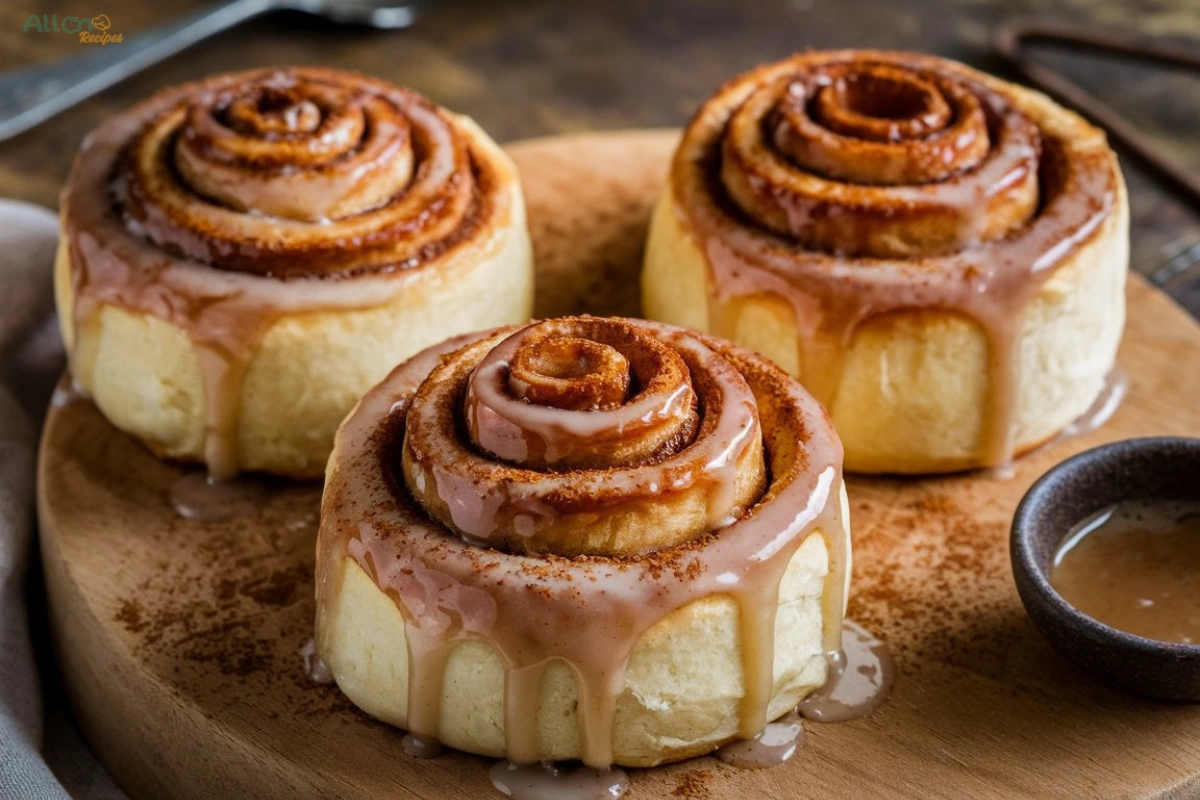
[
  {"x": 929, "y": 556},
  {"x": 693, "y": 785},
  {"x": 233, "y": 605}
]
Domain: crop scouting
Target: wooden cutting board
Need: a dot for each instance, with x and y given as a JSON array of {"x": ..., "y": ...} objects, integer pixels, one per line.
[{"x": 180, "y": 641}]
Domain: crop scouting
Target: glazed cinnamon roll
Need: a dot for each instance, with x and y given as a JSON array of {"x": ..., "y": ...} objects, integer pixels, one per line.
[
  {"x": 600, "y": 539},
  {"x": 938, "y": 255},
  {"x": 243, "y": 257}
]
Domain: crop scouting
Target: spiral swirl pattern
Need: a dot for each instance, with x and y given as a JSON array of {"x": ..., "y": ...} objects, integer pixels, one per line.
[
  {"x": 301, "y": 171},
  {"x": 875, "y": 159},
  {"x": 517, "y": 440}
]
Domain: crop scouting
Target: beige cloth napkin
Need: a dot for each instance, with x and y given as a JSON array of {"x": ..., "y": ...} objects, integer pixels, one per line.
[{"x": 41, "y": 753}]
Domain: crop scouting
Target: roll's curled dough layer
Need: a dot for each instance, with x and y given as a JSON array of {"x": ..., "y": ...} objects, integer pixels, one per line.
[
  {"x": 938, "y": 255},
  {"x": 243, "y": 257},
  {"x": 676, "y": 593}
]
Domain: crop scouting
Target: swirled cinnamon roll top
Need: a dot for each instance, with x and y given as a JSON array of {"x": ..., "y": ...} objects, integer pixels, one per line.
[
  {"x": 300, "y": 171},
  {"x": 867, "y": 158},
  {"x": 563, "y": 436},
  {"x": 871, "y": 154}
]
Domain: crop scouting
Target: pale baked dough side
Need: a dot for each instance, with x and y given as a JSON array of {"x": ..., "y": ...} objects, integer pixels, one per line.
[
  {"x": 913, "y": 393},
  {"x": 310, "y": 368},
  {"x": 682, "y": 688}
]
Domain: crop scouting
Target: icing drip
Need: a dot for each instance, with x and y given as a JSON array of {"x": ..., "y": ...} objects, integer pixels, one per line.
[
  {"x": 1103, "y": 407},
  {"x": 314, "y": 666},
  {"x": 65, "y": 393},
  {"x": 858, "y": 681},
  {"x": 587, "y": 611},
  {"x": 854, "y": 185},
  {"x": 222, "y": 206}
]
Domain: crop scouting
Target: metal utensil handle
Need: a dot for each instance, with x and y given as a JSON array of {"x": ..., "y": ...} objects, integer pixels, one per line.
[
  {"x": 1009, "y": 42},
  {"x": 32, "y": 95}
]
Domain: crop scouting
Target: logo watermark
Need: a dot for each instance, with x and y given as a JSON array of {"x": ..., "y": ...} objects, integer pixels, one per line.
[{"x": 90, "y": 31}]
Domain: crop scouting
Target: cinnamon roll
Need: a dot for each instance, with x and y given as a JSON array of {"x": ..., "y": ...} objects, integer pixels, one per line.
[
  {"x": 938, "y": 256},
  {"x": 243, "y": 257},
  {"x": 600, "y": 539}
]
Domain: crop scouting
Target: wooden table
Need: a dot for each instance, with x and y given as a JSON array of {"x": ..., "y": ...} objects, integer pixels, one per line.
[
  {"x": 535, "y": 67},
  {"x": 180, "y": 640}
]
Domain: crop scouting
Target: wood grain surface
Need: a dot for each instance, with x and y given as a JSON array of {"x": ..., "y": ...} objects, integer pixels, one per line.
[{"x": 180, "y": 641}]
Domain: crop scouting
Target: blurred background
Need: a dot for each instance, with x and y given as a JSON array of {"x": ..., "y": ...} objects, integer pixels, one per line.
[{"x": 538, "y": 67}]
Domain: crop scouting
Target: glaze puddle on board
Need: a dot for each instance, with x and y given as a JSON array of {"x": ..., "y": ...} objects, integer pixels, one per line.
[
  {"x": 420, "y": 747},
  {"x": 198, "y": 497},
  {"x": 555, "y": 782},
  {"x": 67, "y": 391},
  {"x": 314, "y": 666},
  {"x": 860, "y": 677},
  {"x": 774, "y": 745}
]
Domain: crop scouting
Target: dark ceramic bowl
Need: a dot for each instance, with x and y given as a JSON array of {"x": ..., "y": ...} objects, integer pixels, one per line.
[{"x": 1146, "y": 470}]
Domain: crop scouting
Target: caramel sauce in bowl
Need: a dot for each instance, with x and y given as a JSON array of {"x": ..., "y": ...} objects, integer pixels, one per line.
[{"x": 1152, "y": 476}]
